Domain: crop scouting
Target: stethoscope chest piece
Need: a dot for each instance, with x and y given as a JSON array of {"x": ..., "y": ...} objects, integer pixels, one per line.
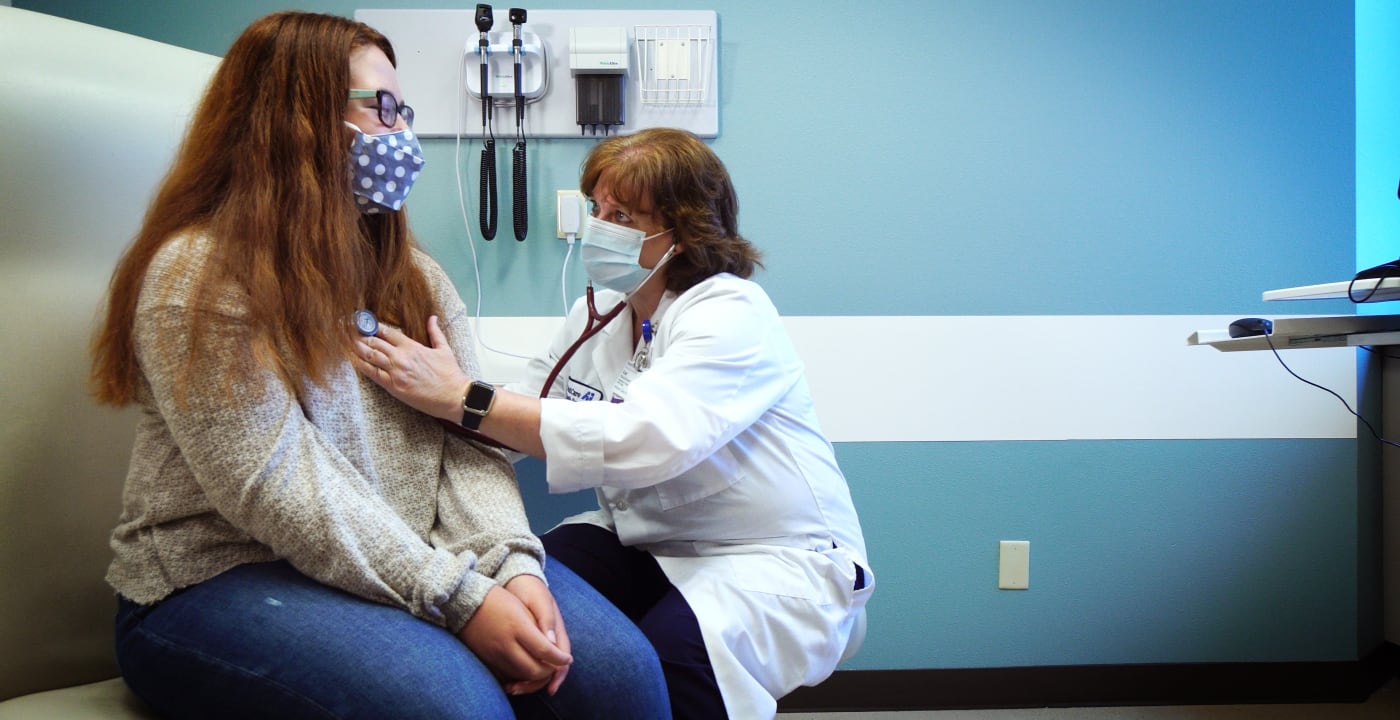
[{"x": 366, "y": 323}]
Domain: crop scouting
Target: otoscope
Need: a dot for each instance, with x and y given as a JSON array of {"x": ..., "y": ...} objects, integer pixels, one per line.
[{"x": 487, "y": 206}]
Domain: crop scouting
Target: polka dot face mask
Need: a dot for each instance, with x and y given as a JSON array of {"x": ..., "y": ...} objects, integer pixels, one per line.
[{"x": 384, "y": 168}]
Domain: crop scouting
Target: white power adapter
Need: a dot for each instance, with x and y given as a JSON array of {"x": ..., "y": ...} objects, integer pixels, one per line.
[{"x": 569, "y": 213}]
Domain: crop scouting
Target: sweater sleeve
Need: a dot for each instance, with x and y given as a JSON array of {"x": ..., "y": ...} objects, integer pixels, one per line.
[
  {"x": 479, "y": 504},
  {"x": 272, "y": 473}
]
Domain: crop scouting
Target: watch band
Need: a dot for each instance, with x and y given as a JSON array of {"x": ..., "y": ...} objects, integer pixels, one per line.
[{"x": 476, "y": 403}]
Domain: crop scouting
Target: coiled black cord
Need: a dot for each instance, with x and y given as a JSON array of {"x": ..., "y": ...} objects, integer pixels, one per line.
[
  {"x": 488, "y": 189},
  {"x": 520, "y": 202}
]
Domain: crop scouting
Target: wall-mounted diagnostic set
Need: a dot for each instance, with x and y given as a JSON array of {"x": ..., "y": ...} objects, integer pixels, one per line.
[{"x": 554, "y": 73}]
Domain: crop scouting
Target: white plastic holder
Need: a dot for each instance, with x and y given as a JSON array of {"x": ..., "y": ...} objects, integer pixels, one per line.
[
  {"x": 674, "y": 63},
  {"x": 500, "y": 67}
]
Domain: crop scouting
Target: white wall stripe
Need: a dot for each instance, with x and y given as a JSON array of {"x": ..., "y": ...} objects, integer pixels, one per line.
[{"x": 1007, "y": 378}]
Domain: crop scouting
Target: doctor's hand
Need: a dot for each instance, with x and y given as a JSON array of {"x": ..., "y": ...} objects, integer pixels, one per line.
[
  {"x": 537, "y": 598},
  {"x": 427, "y": 379},
  {"x": 504, "y": 635}
]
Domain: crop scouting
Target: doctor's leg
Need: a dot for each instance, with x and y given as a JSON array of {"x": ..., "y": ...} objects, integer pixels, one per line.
[
  {"x": 671, "y": 627},
  {"x": 632, "y": 581}
]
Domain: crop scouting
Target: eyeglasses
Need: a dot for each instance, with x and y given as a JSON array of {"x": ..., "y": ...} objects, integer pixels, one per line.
[{"x": 389, "y": 106}]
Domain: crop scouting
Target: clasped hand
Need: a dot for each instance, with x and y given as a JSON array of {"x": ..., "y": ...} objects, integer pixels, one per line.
[
  {"x": 518, "y": 633},
  {"x": 426, "y": 378}
]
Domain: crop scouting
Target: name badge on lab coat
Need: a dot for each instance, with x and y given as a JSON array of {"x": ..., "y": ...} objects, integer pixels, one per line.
[{"x": 579, "y": 391}]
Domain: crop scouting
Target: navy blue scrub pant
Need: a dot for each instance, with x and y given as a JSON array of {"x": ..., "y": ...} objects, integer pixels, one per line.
[{"x": 632, "y": 580}]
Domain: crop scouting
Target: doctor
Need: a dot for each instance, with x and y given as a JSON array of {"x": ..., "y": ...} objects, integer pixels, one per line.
[{"x": 725, "y": 529}]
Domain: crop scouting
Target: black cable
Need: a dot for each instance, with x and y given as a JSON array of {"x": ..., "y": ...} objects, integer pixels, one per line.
[
  {"x": 520, "y": 202},
  {"x": 1379, "y": 273},
  {"x": 1269, "y": 337},
  {"x": 1351, "y": 291},
  {"x": 1374, "y": 351},
  {"x": 488, "y": 188},
  {"x": 520, "y": 195}
]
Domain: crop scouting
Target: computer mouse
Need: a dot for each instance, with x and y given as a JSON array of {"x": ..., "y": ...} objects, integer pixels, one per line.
[{"x": 1250, "y": 327}]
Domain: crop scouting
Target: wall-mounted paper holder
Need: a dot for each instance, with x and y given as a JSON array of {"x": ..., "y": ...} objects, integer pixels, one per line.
[{"x": 673, "y": 63}]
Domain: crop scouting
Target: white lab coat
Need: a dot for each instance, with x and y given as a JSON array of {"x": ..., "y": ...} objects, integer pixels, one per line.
[{"x": 712, "y": 460}]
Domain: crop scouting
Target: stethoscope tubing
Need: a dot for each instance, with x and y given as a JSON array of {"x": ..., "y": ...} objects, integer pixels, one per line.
[{"x": 589, "y": 331}]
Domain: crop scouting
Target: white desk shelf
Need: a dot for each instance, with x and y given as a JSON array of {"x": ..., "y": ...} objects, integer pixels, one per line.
[
  {"x": 1389, "y": 290},
  {"x": 1319, "y": 332},
  {"x": 1311, "y": 332}
]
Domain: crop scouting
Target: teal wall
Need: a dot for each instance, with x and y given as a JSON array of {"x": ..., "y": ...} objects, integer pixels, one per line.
[{"x": 1019, "y": 157}]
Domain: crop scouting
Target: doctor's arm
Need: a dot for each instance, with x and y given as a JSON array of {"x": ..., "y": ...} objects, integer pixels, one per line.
[{"x": 429, "y": 379}]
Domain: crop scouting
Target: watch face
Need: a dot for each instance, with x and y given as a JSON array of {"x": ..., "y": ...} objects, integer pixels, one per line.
[
  {"x": 366, "y": 323},
  {"x": 476, "y": 404},
  {"x": 479, "y": 396}
]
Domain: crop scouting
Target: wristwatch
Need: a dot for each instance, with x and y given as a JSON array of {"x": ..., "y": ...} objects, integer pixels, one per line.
[{"x": 476, "y": 403}]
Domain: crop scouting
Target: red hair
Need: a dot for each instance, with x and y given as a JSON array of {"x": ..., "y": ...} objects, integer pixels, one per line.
[
  {"x": 264, "y": 174},
  {"x": 689, "y": 187}
]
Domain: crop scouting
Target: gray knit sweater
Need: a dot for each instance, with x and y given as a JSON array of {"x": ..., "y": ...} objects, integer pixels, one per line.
[{"x": 350, "y": 486}]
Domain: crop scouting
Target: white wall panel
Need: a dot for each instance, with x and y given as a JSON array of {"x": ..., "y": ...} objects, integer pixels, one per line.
[{"x": 978, "y": 378}]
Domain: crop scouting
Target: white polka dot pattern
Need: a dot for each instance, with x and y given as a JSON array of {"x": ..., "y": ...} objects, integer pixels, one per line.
[{"x": 385, "y": 167}]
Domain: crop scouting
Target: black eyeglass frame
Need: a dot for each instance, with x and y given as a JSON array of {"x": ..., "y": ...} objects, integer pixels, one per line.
[{"x": 389, "y": 106}]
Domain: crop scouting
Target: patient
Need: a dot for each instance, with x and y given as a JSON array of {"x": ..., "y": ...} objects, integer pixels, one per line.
[{"x": 293, "y": 541}]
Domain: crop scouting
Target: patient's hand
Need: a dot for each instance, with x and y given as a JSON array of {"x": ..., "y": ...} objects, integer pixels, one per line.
[
  {"x": 503, "y": 633},
  {"x": 537, "y": 598},
  {"x": 425, "y": 378}
]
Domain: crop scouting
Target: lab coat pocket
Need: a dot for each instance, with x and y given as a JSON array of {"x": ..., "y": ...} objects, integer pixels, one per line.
[
  {"x": 715, "y": 473},
  {"x": 772, "y": 575}
]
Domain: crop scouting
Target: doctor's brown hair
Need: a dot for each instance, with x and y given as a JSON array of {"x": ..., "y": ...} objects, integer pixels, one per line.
[
  {"x": 264, "y": 173},
  {"x": 689, "y": 188}
]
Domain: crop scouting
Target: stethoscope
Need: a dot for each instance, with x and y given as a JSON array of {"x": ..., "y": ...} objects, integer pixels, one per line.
[
  {"x": 368, "y": 325},
  {"x": 602, "y": 319},
  {"x": 589, "y": 330}
]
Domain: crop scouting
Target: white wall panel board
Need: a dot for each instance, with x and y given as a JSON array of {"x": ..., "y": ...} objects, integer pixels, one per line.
[{"x": 1008, "y": 378}]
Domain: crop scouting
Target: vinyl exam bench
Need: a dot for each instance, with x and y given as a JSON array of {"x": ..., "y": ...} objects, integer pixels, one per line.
[{"x": 90, "y": 119}]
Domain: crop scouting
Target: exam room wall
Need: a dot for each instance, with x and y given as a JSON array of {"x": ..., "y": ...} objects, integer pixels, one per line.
[{"x": 1069, "y": 158}]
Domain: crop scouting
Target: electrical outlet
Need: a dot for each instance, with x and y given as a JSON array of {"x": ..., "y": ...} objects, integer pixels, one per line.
[
  {"x": 1015, "y": 564},
  {"x": 568, "y": 213}
]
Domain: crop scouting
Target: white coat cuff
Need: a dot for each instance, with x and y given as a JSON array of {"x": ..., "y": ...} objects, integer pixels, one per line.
[{"x": 572, "y": 435}]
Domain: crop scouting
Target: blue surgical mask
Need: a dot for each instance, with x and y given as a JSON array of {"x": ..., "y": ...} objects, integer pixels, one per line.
[
  {"x": 384, "y": 168},
  {"x": 612, "y": 255}
]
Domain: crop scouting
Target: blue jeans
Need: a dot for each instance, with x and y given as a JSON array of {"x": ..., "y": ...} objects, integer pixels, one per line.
[{"x": 265, "y": 641}]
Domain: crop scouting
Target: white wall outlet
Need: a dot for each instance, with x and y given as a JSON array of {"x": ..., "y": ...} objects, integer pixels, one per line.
[
  {"x": 568, "y": 213},
  {"x": 1015, "y": 565}
]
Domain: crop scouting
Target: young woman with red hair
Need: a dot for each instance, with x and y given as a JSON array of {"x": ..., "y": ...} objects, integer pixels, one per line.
[{"x": 293, "y": 541}]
